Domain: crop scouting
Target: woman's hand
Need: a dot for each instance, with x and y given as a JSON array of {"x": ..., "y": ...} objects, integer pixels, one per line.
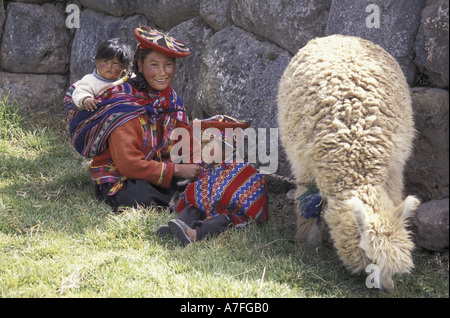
[{"x": 187, "y": 171}]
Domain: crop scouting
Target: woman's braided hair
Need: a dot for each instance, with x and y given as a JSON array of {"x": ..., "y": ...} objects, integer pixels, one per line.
[{"x": 139, "y": 81}]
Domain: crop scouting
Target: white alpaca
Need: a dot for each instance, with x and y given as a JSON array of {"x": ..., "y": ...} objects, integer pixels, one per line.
[{"x": 346, "y": 123}]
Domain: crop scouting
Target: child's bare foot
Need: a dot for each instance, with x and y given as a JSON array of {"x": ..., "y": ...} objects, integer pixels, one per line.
[{"x": 192, "y": 233}]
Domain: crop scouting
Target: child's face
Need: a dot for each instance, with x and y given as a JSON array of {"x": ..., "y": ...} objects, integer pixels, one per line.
[
  {"x": 215, "y": 150},
  {"x": 209, "y": 148},
  {"x": 110, "y": 69}
]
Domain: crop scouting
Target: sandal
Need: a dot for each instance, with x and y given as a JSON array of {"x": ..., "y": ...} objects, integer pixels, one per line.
[
  {"x": 163, "y": 230},
  {"x": 179, "y": 229}
]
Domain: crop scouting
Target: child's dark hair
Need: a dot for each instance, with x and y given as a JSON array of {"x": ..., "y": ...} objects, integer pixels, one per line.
[{"x": 114, "y": 48}]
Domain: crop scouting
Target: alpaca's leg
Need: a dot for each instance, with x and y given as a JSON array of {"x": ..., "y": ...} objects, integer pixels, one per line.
[{"x": 307, "y": 230}]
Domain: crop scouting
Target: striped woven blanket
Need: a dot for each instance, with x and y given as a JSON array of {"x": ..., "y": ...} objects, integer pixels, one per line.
[
  {"x": 236, "y": 189},
  {"x": 89, "y": 131}
]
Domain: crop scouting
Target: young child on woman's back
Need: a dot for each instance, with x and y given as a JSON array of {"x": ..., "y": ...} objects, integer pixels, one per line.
[{"x": 112, "y": 61}]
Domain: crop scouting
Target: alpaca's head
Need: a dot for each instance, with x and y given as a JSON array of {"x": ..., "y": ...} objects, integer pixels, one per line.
[{"x": 384, "y": 237}]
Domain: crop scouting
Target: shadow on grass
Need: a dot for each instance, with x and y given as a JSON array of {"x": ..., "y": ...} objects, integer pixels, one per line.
[{"x": 49, "y": 191}]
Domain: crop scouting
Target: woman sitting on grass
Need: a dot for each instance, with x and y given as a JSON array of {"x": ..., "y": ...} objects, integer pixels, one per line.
[{"x": 128, "y": 135}]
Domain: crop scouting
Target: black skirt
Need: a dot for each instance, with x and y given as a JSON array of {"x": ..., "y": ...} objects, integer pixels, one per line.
[{"x": 138, "y": 193}]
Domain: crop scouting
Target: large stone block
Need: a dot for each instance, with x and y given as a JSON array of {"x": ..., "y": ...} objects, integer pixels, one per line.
[
  {"x": 95, "y": 29},
  {"x": 168, "y": 13},
  {"x": 39, "y": 1},
  {"x": 216, "y": 13},
  {"x": 111, "y": 7},
  {"x": 195, "y": 34},
  {"x": 2, "y": 17},
  {"x": 35, "y": 92},
  {"x": 35, "y": 39},
  {"x": 431, "y": 222},
  {"x": 239, "y": 77},
  {"x": 165, "y": 14},
  {"x": 432, "y": 42},
  {"x": 427, "y": 171},
  {"x": 391, "y": 24},
  {"x": 290, "y": 24}
]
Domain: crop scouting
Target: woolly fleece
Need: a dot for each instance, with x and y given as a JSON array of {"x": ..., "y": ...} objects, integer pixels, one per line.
[{"x": 346, "y": 122}]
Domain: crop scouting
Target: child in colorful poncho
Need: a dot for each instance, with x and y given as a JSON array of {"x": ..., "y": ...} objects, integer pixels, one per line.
[{"x": 226, "y": 195}]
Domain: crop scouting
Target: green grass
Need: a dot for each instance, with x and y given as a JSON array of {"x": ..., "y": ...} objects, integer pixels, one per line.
[{"x": 57, "y": 240}]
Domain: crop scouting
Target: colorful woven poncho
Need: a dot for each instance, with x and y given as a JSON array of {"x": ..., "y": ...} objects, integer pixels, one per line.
[
  {"x": 236, "y": 189},
  {"x": 89, "y": 131}
]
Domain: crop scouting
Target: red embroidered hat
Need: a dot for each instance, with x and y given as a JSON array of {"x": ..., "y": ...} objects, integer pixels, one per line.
[{"x": 149, "y": 38}]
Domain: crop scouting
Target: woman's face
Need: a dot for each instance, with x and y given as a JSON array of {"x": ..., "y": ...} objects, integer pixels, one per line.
[{"x": 158, "y": 70}]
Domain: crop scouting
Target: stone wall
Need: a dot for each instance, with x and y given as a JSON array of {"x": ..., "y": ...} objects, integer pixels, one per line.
[{"x": 240, "y": 49}]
